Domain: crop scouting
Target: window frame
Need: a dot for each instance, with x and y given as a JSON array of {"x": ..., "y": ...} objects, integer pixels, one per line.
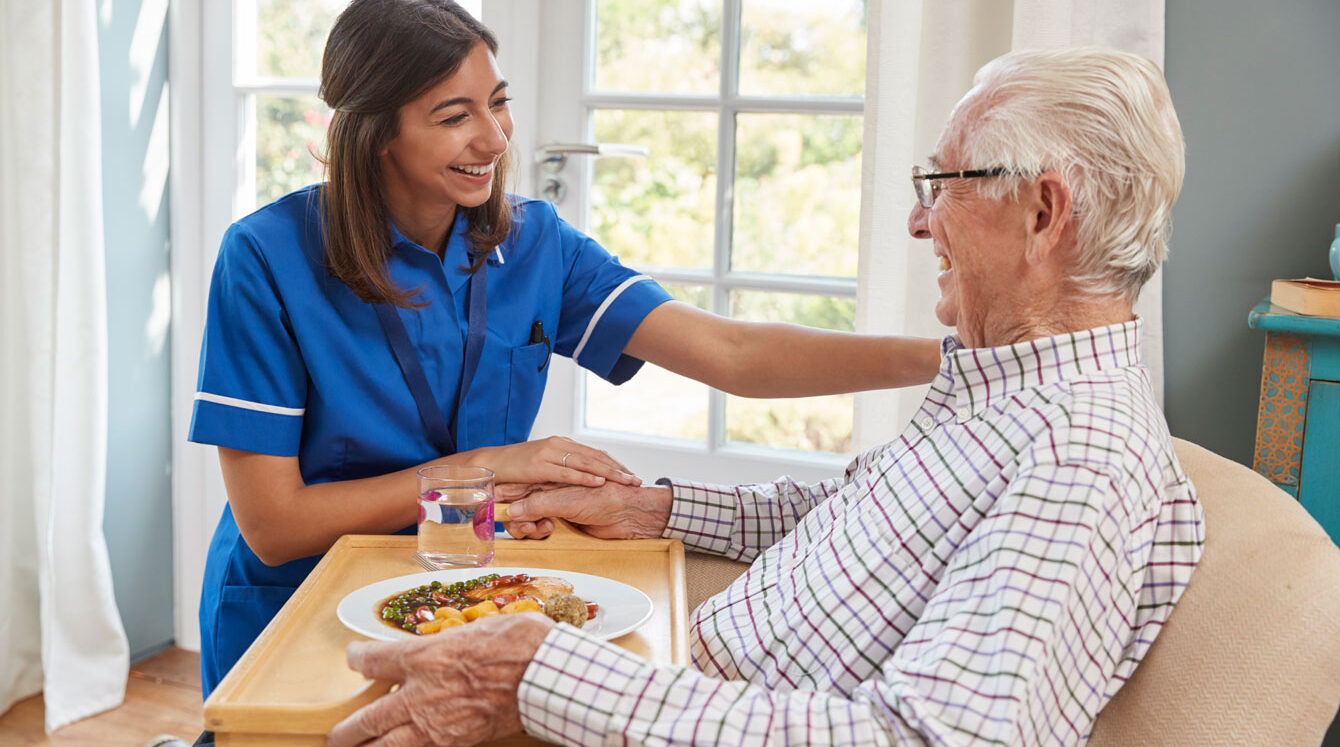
[{"x": 731, "y": 461}]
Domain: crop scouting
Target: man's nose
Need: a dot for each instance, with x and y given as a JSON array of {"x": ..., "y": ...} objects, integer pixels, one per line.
[{"x": 917, "y": 224}]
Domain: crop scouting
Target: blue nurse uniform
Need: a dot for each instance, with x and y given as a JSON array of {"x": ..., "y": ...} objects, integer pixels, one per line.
[{"x": 294, "y": 364}]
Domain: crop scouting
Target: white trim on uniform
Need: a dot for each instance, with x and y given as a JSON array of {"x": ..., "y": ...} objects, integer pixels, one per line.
[
  {"x": 219, "y": 399},
  {"x": 595, "y": 318}
]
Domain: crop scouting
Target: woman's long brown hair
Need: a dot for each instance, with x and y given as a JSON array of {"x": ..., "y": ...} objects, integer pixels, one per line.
[{"x": 380, "y": 55}]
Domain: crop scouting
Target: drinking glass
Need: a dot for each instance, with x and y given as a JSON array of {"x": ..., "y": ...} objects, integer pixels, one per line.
[{"x": 455, "y": 516}]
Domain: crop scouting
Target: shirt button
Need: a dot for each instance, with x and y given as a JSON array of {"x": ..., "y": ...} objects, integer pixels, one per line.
[{"x": 927, "y": 422}]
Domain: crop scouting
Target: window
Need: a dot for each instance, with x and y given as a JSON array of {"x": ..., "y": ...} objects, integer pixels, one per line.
[{"x": 747, "y": 205}]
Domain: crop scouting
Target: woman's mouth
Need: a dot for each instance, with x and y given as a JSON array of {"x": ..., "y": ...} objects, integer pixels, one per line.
[
  {"x": 482, "y": 170},
  {"x": 945, "y": 264}
]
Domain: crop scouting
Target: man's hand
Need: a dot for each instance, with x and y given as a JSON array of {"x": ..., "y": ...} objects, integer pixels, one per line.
[
  {"x": 456, "y": 687},
  {"x": 612, "y": 511}
]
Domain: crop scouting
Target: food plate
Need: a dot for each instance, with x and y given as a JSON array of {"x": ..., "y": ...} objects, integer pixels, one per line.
[{"x": 622, "y": 608}]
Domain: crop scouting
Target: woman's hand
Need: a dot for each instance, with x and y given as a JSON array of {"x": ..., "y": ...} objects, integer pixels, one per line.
[{"x": 550, "y": 460}]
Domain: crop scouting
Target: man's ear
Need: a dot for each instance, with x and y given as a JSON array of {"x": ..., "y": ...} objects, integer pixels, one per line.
[{"x": 1049, "y": 204}]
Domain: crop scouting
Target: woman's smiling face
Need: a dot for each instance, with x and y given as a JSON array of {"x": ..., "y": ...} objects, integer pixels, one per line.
[{"x": 449, "y": 138}]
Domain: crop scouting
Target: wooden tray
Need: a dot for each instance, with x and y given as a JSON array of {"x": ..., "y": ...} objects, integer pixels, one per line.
[{"x": 293, "y": 685}]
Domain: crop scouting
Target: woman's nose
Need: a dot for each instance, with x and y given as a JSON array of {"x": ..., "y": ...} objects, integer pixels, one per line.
[
  {"x": 493, "y": 136},
  {"x": 917, "y": 224}
]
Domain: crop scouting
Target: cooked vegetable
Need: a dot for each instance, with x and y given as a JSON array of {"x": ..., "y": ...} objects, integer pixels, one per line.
[
  {"x": 433, "y": 607},
  {"x": 521, "y": 605}
]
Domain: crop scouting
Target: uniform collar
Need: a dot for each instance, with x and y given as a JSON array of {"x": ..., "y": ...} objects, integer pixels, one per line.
[
  {"x": 455, "y": 261},
  {"x": 983, "y": 377}
]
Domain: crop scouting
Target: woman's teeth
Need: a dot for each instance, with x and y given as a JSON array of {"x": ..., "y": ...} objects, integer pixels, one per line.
[
  {"x": 474, "y": 170},
  {"x": 945, "y": 264}
]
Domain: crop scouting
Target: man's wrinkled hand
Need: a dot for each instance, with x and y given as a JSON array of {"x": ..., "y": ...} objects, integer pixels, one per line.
[
  {"x": 611, "y": 511},
  {"x": 457, "y": 687}
]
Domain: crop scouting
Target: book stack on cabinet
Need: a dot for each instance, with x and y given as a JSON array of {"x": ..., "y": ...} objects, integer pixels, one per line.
[{"x": 1308, "y": 296}]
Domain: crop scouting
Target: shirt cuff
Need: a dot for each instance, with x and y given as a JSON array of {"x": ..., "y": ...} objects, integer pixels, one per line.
[
  {"x": 568, "y": 692},
  {"x": 702, "y": 516}
]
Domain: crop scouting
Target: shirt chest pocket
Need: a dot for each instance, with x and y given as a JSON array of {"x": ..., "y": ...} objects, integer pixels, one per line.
[{"x": 528, "y": 371}]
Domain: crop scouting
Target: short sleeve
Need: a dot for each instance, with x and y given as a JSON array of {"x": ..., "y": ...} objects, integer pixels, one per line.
[
  {"x": 603, "y": 304},
  {"x": 252, "y": 385}
]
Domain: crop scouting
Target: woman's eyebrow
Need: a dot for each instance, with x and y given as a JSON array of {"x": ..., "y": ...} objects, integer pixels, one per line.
[{"x": 465, "y": 99}]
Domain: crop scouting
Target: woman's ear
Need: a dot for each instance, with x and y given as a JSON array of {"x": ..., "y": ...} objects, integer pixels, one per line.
[{"x": 1049, "y": 204}]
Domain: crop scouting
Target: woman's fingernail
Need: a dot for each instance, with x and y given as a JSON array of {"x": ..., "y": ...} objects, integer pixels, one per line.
[{"x": 516, "y": 511}]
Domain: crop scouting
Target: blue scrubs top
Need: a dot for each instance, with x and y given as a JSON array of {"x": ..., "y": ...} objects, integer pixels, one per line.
[{"x": 294, "y": 364}]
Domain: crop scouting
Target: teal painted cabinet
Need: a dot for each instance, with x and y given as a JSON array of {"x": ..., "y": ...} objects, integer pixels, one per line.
[{"x": 1298, "y": 417}]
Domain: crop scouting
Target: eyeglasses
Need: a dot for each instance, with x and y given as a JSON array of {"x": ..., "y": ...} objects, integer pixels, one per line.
[{"x": 927, "y": 185}]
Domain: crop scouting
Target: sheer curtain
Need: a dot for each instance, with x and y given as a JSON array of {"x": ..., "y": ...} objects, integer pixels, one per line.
[
  {"x": 923, "y": 54},
  {"x": 59, "y": 631}
]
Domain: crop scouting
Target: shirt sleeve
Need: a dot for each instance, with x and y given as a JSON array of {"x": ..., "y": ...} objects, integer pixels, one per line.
[
  {"x": 740, "y": 521},
  {"x": 603, "y": 304},
  {"x": 252, "y": 385},
  {"x": 1021, "y": 643}
]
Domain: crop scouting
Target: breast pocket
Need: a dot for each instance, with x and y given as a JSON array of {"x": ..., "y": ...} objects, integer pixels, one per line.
[{"x": 529, "y": 371}]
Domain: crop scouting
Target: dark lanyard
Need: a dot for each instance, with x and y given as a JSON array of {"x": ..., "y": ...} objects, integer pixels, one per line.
[{"x": 440, "y": 433}]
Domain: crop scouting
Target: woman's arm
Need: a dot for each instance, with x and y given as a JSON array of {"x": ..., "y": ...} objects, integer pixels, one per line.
[
  {"x": 282, "y": 518},
  {"x": 754, "y": 359}
]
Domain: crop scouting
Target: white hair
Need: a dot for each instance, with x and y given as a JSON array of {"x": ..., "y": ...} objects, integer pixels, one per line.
[{"x": 1104, "y": 120}]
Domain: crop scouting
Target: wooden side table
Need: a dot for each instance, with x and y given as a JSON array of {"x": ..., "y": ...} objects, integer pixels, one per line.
[{"x": 1298, "y": 417}]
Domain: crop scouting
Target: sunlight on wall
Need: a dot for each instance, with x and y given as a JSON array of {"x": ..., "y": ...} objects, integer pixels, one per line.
[
  {"x": 143, "y": 48},
  {"x": 156, "y": 327},
  {"x": 156, "y": 159}
]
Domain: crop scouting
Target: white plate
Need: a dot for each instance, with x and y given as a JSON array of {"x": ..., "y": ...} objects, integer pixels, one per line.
[{"x": 622, "y": 608}]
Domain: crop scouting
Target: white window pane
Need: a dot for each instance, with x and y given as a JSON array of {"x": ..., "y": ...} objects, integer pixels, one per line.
[
  {"x": 802, "y": 47},
  {"x": 807, "y": 423},
  {"x": 291, "y": 35},
  {"x": 658, "y": 46},
  {"x": 655, "y": 402},
  {"x": 290, "y": 133},
  {"x": 797, "y": 194},
  {"x": 656, "y": 211}
]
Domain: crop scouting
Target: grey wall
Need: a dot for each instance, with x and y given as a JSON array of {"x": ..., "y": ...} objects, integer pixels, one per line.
[
  {"x": 1257, "y": 88},
  {"x": 138, "y": 522}
]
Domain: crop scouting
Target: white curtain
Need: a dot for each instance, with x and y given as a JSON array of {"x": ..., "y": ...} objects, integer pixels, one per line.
[
  {"x": 922, "y": 56},
  {"x": 60, "y": 630}
]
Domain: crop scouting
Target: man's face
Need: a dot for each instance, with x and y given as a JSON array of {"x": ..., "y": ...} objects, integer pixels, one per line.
[{"x": 978, "y": 241}]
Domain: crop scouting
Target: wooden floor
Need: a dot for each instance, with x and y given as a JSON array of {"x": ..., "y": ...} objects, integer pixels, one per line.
[{"x": 162, "y": 697}]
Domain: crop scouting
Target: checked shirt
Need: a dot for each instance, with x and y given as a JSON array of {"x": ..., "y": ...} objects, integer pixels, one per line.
[{"x": 993, "y": 575}]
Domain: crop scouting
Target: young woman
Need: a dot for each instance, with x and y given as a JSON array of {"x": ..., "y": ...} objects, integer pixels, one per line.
[{"x": 403, "y": 314}]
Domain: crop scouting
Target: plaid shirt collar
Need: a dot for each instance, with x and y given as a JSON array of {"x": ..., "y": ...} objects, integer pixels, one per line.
[{"x": 974, "y": 380}]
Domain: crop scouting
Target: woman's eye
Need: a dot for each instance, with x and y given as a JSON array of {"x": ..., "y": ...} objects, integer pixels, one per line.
[
  {"x": 451, "y": 121},
  {"x": 501, "y": 101}
]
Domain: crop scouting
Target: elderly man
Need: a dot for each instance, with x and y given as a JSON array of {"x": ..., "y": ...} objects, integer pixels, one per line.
[{"x": 994, "y": 574}]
